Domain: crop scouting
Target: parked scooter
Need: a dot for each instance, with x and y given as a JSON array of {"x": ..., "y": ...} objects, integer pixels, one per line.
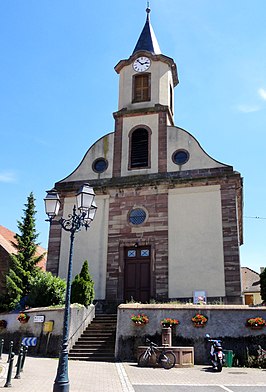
[{"x": 216, "y": 352}]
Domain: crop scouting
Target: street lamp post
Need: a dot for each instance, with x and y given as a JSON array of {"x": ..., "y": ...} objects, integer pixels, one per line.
[{"x": 74, "y": 222}]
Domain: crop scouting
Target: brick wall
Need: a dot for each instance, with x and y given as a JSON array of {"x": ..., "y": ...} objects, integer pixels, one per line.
[
  {"x": 162, "y": 143},
  {"x": 231, "y": 241}
]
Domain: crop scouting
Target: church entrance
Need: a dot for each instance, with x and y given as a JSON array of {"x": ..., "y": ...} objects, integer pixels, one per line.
[{"x": 137, "y": 273}]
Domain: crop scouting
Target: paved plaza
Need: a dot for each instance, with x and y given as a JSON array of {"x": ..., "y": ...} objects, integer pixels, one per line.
[{"x": 39, "y": 373}]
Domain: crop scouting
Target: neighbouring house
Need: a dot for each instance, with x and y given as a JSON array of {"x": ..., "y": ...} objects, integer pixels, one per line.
[
  {"x": 169, "y": 218},
  {"x": 250, "y": 286},
  {"x": 6, "y": 248}
]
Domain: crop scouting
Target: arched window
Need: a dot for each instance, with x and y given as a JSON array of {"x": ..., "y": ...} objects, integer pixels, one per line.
[{"x": 139, "y": 154}]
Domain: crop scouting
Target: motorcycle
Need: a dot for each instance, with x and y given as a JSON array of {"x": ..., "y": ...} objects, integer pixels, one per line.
[{"x": 216, "y": 352}]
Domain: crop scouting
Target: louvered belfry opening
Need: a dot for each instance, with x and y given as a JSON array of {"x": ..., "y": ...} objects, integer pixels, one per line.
[
  {"x": 139, "y": 148},
  {"x": 141, "y": 87}
]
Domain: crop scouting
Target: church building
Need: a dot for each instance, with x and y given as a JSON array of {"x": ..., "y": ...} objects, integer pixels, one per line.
[{"x": 169, "y": 216}]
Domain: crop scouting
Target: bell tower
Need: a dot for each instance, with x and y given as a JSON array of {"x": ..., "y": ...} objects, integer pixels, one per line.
[{"x": 145, "y": 107}]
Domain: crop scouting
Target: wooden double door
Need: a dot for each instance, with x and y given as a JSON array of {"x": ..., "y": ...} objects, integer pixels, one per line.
[{"x": 137, "y": 279}]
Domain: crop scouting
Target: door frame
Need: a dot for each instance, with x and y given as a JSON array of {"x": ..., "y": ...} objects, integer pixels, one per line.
[{"x": 121, "y": 274}]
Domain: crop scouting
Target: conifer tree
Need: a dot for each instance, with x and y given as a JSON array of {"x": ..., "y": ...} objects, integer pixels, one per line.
[
  {"x": 82, "y": 288},
  {"x": 23, "y": 264}
]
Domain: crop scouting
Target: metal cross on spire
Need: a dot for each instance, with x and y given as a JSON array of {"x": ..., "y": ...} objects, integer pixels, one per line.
[{"x": 148, "y": 10}]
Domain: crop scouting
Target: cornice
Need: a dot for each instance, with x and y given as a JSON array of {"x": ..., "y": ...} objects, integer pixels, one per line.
[{"x": 154, "y": 57}]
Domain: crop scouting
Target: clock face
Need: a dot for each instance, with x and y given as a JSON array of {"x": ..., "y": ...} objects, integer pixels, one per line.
[{"x": 141, "y": 64}]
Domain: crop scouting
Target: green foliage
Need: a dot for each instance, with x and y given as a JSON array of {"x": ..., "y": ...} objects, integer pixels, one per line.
[
  {"x": 82, "y": 288},
  {"x": 13, "y": 285},
  {"x": 263, "y": 285},
  {"x": 23, "y": 264},
  {"x": 4, "y": 301},
  {"x": 46, "y": 290}
]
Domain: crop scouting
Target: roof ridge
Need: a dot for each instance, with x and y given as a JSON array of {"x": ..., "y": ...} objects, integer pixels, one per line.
[{"x": 6, "y": 238}]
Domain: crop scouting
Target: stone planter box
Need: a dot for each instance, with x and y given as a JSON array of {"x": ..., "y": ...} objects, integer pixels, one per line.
[{"x": 184, "y": 355}]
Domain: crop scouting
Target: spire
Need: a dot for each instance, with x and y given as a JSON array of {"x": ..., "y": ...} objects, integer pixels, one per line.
[{"x": 147, "y": 40}]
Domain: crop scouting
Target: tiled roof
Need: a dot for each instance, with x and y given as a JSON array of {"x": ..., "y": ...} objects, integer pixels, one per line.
[{"x": 7, "y": 237}]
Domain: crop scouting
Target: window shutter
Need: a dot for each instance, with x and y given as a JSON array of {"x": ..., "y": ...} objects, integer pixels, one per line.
[{"x": 139, "y": 148}]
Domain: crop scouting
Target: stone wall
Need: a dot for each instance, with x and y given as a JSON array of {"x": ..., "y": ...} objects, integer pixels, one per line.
[
  {"x": 48, "y": 343},
  {"x": 226, "y": 322},
  {"x": 122, "y": 234}
]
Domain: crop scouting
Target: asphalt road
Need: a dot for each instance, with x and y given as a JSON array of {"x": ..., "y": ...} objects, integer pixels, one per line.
[{"x": 198, "y": 388}]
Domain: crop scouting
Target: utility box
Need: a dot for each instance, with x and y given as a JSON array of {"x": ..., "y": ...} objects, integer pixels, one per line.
[
  {"x": 228, "y": 356},
  {"x": 48, "y": 326}
]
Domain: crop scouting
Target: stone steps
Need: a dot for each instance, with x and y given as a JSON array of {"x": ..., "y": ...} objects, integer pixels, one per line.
[{"x": 97, "y": 342}]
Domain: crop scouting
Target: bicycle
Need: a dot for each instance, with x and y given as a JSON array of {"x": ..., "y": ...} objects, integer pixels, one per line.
[
  {"x": 261, "y": 354},
  {"x": 165, "y": 358}
]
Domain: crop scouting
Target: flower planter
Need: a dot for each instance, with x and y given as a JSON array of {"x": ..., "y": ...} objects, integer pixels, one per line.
[
  {"x": 139, "y": 324},
  {"x": 23, "y": 318},
  {"x": 3, "y": 324},
  {"x": 255, "y": 323},
  {"x": 23, "y": 321},
  {"x": 140, "y": 319},
  {"x": 256, "y": 326},
  {"x": 199, "y": 320},
  {"x": 168, "y": 322},
  {"x": 199, "y": 325}
]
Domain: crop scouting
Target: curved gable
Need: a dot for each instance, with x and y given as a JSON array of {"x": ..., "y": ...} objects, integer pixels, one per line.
[
  {"x": 102, "y": 149},
  {"x": 179, "y": 139}
]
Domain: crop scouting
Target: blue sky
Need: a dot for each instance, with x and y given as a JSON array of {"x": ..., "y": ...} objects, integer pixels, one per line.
[{"x": 58, "y": 90}]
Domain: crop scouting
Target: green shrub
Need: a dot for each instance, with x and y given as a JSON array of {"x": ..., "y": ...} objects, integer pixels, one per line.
[
  {"x": 82, "y": 288},
  {"x": 46, "y": 290}
]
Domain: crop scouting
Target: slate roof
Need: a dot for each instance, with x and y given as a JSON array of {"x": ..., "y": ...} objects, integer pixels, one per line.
[
  {"x": 6, "y": 236},
  {"x": 147, "y": 40}
]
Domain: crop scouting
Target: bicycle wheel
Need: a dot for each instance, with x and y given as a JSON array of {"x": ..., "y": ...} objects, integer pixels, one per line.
[
  {"x": 167, "y": 359},
  {"x": 143, "y": 359}
]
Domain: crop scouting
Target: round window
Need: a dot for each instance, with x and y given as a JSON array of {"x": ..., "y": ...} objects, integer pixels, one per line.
[
  {"x": 180, "y": 157},
  {"x": 137, "y": 216},
  {"x": 100, "y": 165}
]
